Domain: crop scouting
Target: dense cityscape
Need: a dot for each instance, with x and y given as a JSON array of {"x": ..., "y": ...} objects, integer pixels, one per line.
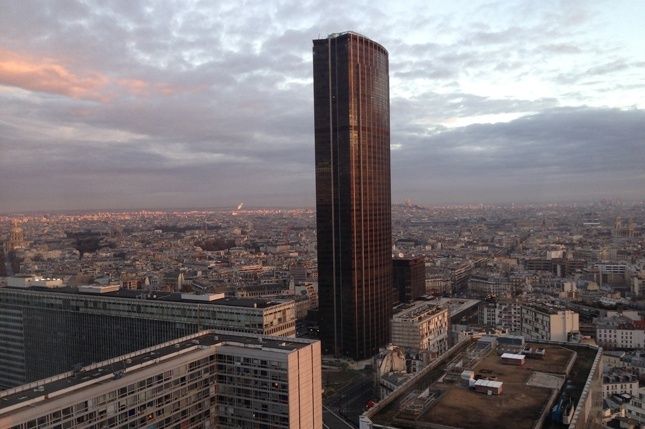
[
  {"x": 135, "y": 294},
  {"x": 506, "y": 263}
]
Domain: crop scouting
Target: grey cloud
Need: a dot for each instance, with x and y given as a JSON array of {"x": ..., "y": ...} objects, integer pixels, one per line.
[
  {"x": 607, "y": 68},
  {"x": 572, "y": 149},
  {"x": 562, "y": 48},
  {"x": 227, "y": 113}
]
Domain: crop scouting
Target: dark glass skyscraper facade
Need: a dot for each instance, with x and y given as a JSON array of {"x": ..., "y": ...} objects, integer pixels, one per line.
[{"x": 353, "y": 203}]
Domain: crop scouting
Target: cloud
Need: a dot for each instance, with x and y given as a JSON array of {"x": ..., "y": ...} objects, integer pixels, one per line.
[
  {"x": 49, "y": 76},
  {"x": 585, "y": 152},
  {"x": 198, "y": 103}
]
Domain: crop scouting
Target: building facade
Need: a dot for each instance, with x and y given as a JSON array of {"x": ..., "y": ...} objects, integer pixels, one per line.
[
  {"x": 482, "y": 286},
  {"x": 421, "y": 328},
  {"x": 438, "y": 284},
  {"x": 46, "y": 331},
  {"x": 619, "y": 381},
  {"x": 501, "y": 314},
  {"x": 353, "y": 202},
  {"x": 635, "y": 408},
  {"x": 543, "y": 323},
  {"x": 207, "y": 380},
  {"x": 408, "y": 277},
  {"x": 619, "y": 332}
]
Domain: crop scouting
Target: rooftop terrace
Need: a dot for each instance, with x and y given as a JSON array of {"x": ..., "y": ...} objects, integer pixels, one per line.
[{"x": 438, "y": 396}]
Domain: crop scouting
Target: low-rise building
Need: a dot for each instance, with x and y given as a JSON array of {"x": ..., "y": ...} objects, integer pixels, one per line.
[
  {"x": 635, "y": 407},
  {"x": 501, "y": 314},
  {"x": 619, "y": 381},
  {"x": 438, "y": 283},
  {"x": 482, "y": 285},
  {"x": 635, "y": 361},
  {"x": 620, "y": 332}
]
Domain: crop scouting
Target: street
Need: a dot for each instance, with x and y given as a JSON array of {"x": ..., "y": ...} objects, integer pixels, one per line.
[
  {"x": 332, "y": 420},
  {"x": 349, "y": 402}
]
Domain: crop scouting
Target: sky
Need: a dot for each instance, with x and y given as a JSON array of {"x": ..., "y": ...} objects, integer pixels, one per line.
[{"x": 166, "y": 104}]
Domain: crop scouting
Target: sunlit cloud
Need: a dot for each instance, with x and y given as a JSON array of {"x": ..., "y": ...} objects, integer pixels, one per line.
[
  {"x": 493, "y": 118},
  {"x": 50, "y": 76},
  {"x": 119, "y": 104},
  {"x": 46, "y": 75}
]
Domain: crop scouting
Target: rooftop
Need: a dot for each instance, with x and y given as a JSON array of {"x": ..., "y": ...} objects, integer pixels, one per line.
[
  {"x": 344, "y": 33},
  {"x": 620, "y": 322},
  {"x": 154, "y": 296},
  {"x": 438, "y": 395},
  {"x": 417, "y": 311},
  {"x": 545, "y": 308},
  {"x": 455, "y": 306},
  {"x": 352, "y": 33},
  {"x": 619, "y": 376}
]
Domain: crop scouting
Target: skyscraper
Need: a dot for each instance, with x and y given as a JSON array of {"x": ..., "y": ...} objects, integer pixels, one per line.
[{"x": 353, "y": 205}]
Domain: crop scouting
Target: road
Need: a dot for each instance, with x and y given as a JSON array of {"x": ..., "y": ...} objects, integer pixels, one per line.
[
  {"x": 331, "y": 420},
  {"x": 349, "y": 402}
]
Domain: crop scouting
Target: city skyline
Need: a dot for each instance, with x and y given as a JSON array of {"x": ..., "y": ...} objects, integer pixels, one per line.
[{"x": 154, "y": 105}]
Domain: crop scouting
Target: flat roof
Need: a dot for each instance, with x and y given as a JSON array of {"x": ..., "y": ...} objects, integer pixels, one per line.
[
  {"x": 416, "y": 310},
  {"x": 17, "y": 398},
  {"x": 489, "y": 383},
  {"x": 513, "y": 356},
  {"x": 350, "y": 33},
  {"x": 455, "y": 306},
  {"x": 140, "y": 295},
  {"x": 440, "y": 396},
  {"x": 343, "y": 33},
  {"x": 546, "y": 309}
]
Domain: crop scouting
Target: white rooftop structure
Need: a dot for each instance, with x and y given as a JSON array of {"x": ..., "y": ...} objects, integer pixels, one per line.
[
  {"x": 489, "y": 383},
  {"x": 513, "y": 356},
  {"x": 98, "y": 289},
  {"x": 202, "y": 297}
]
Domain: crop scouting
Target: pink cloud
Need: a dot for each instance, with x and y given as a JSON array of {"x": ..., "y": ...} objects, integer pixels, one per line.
[
  {"x": 141, "y": 87},
  {"x": 50, "y": 76}
]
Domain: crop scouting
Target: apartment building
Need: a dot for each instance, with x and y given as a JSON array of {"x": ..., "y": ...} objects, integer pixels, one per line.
[
  {"x": 438, "y": 283},
  {"x": 541, "y": 322},
  {"x": 482, "y": 285},
  {"x": 635, "y": 408},
  {"x": 620, "y": 332},
  {"x": 421, "y": 327},
  {"x": 501, "y": 314},
  {"x": 619, "y": 381},
  {"x": 205, "y": 380}
]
